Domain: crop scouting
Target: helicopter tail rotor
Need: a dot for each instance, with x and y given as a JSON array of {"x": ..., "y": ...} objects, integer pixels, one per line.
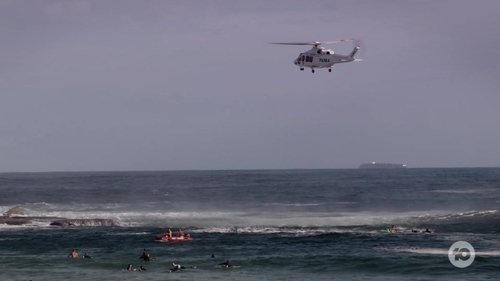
[
  {"x": 358, "y": 45},
  {"x": 354, "y": 51}
]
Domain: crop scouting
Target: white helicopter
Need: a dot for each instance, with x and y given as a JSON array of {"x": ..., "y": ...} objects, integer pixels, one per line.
[{"x": 320, "y": 57}]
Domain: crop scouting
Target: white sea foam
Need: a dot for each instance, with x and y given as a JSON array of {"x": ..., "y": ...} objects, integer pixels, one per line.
[
  {"x": 292, "y": 204},
  {"x": 344, "y": 202},
  {"x": 283, "y": 231},
  {"x": 466, "y": 191},
  {"x": 128, "y": 233},
  {"x": 428, "y": 251},
  {"x": 124, "y": 217},
  {"x": 221, "y": 218},
  {"x": 446, "y": 215},
  {"x": 444, "y": 252},
  {"x": 33, "y": 224}
]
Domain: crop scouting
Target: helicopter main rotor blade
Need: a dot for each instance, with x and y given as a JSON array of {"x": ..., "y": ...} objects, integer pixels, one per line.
[
  {"x": 296, "y": 43},
  {"x": 336, "y": 41},
  {"x": 355, "y": 42},
  {"x": 316, "y": 43}
]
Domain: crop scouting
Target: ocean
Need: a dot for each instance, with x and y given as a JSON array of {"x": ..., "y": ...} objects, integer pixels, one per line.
[{"x": 270, "y": 224}]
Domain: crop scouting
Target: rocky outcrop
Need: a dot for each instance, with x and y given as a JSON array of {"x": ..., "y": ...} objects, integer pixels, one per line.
[
  {"x": 15, "y": 216},
  {"x": 14, "y": 220},
  {"x": 84, "y": 222},
  {"x": 13, "y": 212},
  {"x": 11, "y": 217}
]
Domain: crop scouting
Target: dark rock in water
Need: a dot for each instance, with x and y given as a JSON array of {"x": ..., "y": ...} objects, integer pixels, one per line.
[{"x": 85, "y": 222}]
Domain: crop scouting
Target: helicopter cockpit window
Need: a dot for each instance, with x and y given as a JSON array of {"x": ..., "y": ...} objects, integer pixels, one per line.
[{"x": 303, "y": 58}]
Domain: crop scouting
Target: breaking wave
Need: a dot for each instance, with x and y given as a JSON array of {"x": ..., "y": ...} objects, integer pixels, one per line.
[
  {"x": 444, "y": 251},
  {"x": 43, "y": 214}
]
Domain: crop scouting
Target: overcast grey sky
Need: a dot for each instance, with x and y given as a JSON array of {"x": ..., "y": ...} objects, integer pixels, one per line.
[{"x": 140, "y": 85}]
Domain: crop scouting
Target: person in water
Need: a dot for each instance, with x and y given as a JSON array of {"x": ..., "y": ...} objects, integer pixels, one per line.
[
  {"x": 169, "y": 233},
  {"x": 180, "y": 233},
  {"x": 427, "y": 231},
  {"x": 130, "y": 267},
  {"x": 85, "y": 256},
  {"x": 145, "y": 256},
  {"x": 391, "y": 229},
  {"x": 176, "y": 267},
  {"x": 74, "y": 254},
  {"x": 226, "y": 264}
]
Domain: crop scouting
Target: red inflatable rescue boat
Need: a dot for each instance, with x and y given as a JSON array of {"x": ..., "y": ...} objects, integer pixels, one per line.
[{"x": 165, "y": 238}]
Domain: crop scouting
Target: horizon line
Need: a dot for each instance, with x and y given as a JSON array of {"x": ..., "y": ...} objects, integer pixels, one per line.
[{"x": 237, "y": 169}]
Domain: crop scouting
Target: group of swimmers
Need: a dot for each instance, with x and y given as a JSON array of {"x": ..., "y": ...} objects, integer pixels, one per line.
[
  {"x": 146, "y": 256},
  {"x": 177, "y": 267}
]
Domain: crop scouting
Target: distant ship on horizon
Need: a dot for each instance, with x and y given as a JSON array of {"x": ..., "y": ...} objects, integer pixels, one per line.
[{"x": 376, "y": 165}]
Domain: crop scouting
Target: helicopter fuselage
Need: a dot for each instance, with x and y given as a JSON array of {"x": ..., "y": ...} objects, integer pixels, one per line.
[{"x": 319, "y": 57}]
